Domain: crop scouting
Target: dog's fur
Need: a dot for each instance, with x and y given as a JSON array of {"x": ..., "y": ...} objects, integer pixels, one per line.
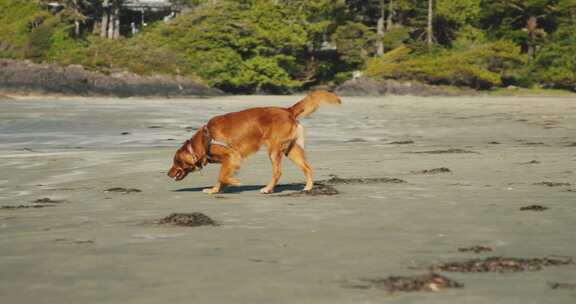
[{"x": 241, "y": 134}]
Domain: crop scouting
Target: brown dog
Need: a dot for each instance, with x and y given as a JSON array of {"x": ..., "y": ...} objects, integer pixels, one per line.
[{"x": 230, "y": 138}]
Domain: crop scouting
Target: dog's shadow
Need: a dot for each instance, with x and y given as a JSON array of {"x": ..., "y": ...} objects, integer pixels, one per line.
[{"x": 243, "y": 188}]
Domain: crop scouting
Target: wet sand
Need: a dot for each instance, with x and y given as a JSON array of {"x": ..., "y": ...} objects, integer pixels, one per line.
[{"x": 469, "y": 165}]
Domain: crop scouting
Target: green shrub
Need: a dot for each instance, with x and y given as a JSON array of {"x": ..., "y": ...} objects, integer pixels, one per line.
[
  {"x": 15, "y": 25},
  {"x": 479, "y": 67},
  {"x": 555, "y": 64},
  {"x": 395, "y": 37},
  {"x": 40, "y": 40},
  {"x": 355, "y": 41}
]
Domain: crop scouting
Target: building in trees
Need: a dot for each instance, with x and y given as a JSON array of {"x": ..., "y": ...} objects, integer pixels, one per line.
[{"x": 126, "y": 17}]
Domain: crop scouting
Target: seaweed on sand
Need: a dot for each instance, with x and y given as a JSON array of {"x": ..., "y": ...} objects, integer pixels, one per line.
[
  {"x": 426, "y": 282},
  {"x": 501, "y": 264},
  {"x": 193, "y": 219}
]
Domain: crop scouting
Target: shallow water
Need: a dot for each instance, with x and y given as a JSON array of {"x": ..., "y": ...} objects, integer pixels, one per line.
[{"x": 101, "y": 246}]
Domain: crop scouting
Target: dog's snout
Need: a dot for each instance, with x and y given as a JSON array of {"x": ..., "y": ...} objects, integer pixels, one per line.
[{"x": 173, "y": 172}]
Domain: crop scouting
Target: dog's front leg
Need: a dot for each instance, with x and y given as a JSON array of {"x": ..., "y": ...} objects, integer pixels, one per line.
[
  {"x": 214, "y": 189},
  {"x": 218, "y": 185},
  {"x": 229, "y": 166}
]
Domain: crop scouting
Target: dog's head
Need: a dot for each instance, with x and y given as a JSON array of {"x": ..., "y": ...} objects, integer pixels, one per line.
[{"x": 186, "y": 160}]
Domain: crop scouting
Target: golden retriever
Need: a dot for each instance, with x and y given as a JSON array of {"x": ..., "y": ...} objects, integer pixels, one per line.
[{"x": 230, "y": 138}]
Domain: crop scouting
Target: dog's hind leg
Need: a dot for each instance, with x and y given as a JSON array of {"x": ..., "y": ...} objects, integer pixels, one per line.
[
  {"x": 275, "y": 153},
  {"x": 297, "y": 156}
]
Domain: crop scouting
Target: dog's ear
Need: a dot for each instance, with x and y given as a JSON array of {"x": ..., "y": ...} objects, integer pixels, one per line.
[{"x": 188, "y": 158}]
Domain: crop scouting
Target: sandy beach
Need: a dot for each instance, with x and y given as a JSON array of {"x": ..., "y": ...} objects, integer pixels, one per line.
[{"x": 469, "y": 165}]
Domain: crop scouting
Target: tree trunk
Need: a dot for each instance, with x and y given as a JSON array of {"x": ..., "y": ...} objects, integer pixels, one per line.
[
  {"x": 96, "y": 27},
  {"x": 77, "y": 28},
  {"x": 380, "y": 31},
  {"x": 105, "y": 23},
  {"x": 111, "y": 23},
  {"x": 531, "y": 28},
  {"x": 391, "y": 13},
  {"x": 429, "y": 29},
  {"x": 116, "y": 34}
]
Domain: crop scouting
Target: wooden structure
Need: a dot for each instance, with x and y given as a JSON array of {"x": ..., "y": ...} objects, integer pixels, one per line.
[
  {"x": 127, "y": 17},
  {"x": 139, "y": 5}
]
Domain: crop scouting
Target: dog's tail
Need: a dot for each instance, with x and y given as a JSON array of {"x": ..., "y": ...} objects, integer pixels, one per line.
[{"x": 310, "y": 103}]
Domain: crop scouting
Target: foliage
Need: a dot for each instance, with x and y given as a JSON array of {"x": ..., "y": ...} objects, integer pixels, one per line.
[
  {"x": 460, "y": 12},
  {"x": 454, "y": 18},
  {"x": 240, "y": 50},
  {"x": 15, "y": 20},
  {"x": 555, "y": 65},
  {"x": 479, "y": 67},
  {"x": 395, "y": 37},
  {"x": 355, "y": 42},
  {"x": 278, "y": 46}
]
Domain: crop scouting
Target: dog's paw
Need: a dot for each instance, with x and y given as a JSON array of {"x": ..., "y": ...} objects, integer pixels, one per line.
[
  {"x": 210, "y": 191},
  {"x": 266, "y": 190}
]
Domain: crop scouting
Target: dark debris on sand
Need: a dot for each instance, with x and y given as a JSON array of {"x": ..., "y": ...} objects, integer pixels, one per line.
[
  {"x": 123, "y": 190},
  {"x": 446, "y": 151},
  {"x": 402, "y": 142},
  {"x": 47, "y": 200},
  {"x": 532, "y": 162},
  {"x": 556, "y": 285},
  {"x": 325, "y": 188},
  {"x": 552, "y": 184},
  {"x": 39, "y": 203},
  {"x": 193, "y": 219},
  {"x": 433, "y": 171},
  {"x": 371, "y": 180},
  {"x": 533, "y": 208},
  {"x": 356, "y": 140},
  {"x": 501, "y": 264},
  {"x": 476, "y": 249},
  {"x": 76, "y": 241},
  {"x": 319, "y": 189},
  {"x": 426, "y": 282},
  {"x": 24, "y": 206},
  {"x": 531, "y": 143}
]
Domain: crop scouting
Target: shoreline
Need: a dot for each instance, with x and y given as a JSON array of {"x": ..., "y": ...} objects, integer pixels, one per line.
[
  {"x": 22, "y": 96},
  {"x": 23, "y": 79}
]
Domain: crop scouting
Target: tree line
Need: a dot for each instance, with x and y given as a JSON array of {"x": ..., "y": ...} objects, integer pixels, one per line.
[{"x": 278, "y": 46}]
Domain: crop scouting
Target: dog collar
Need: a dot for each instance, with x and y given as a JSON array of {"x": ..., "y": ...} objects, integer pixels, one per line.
[{"x": 191, "y": 151}]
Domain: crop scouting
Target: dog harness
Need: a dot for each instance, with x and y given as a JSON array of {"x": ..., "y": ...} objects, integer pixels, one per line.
[{"x": 211, "y": 141}]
